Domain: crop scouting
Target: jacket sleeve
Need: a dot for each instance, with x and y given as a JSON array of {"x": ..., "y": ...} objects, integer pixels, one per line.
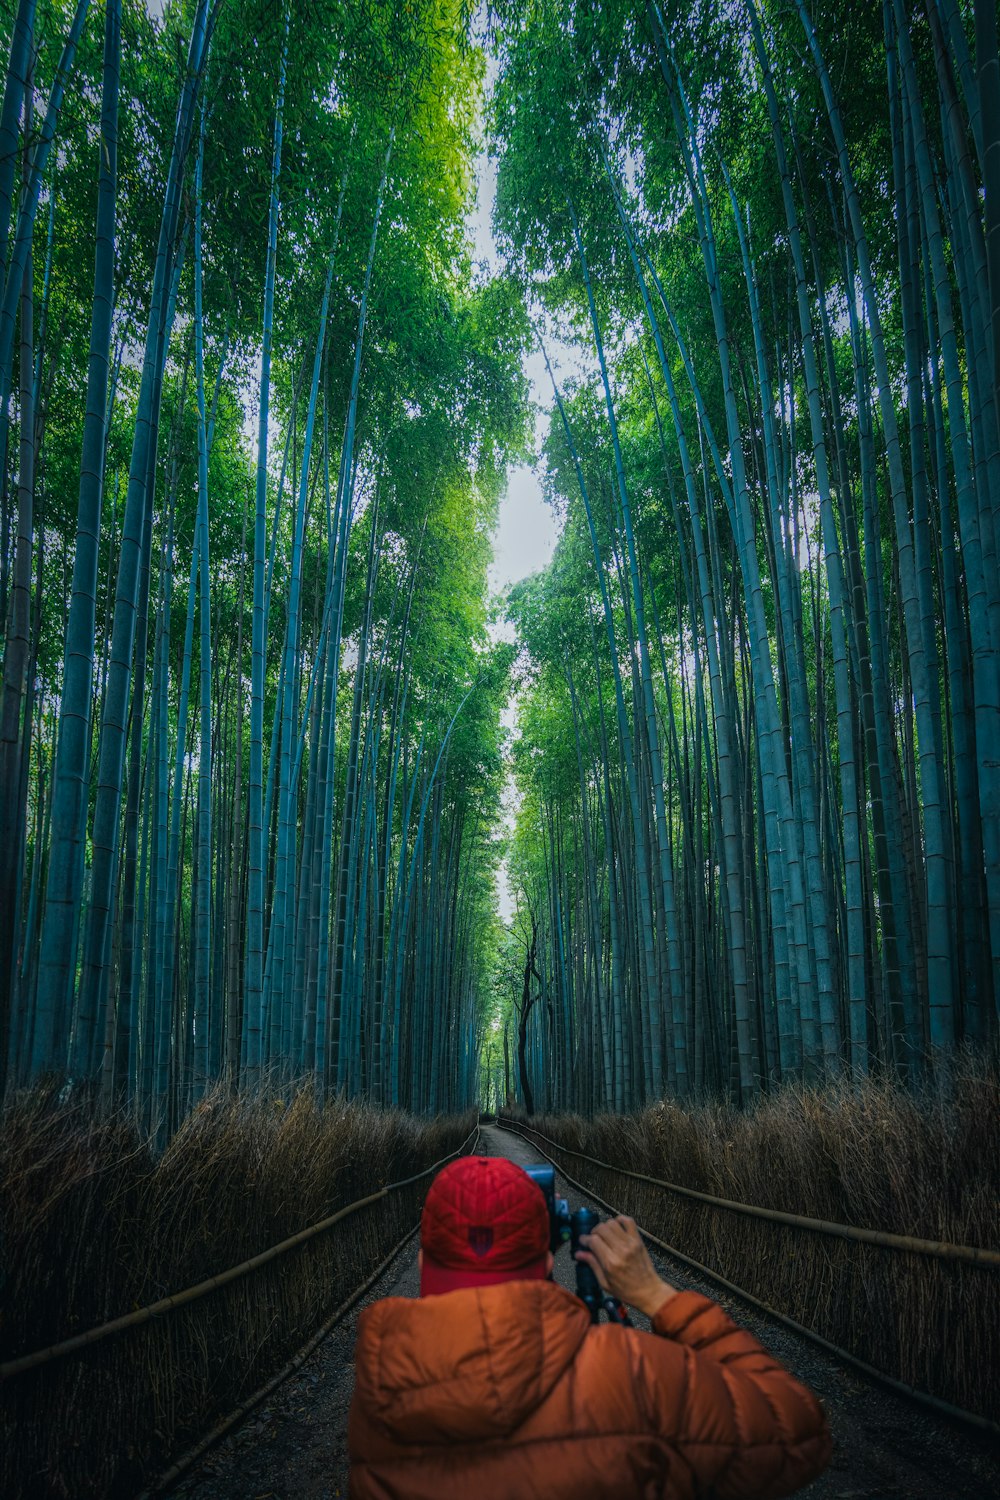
[{"x": 742, "y": 1424}]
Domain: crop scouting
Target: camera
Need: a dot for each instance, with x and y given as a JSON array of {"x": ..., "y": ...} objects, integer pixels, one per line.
[{"x": 566, "y": 1226}]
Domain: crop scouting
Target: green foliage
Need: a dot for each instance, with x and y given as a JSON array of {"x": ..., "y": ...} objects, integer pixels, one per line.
[
  {"x": 442, "y": 409},
  {"x": 802, "y": 674}
]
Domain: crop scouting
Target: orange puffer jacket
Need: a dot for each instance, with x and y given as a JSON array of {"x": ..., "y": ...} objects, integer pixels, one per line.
[{"x": 509, "y": 1393}]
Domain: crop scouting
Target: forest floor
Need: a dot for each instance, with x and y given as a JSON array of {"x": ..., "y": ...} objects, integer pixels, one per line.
[{"x": 885, "y": 1447}]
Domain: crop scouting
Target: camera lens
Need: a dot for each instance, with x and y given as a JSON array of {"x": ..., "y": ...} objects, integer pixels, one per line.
[{"x": 582, "y": 1221}]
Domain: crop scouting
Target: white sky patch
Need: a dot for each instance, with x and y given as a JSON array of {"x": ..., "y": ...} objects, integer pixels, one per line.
[
  {"x": 527, "y": 528},
  {"x": 479, "y": 221}
]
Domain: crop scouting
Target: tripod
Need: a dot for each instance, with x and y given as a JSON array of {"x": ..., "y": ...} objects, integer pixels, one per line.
[
  {"x": 596, "y": 1301},
  {"x": 588, "y": 1288}
]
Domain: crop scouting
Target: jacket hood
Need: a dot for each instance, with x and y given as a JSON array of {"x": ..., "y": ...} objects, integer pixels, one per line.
[{"x": 466, "y": 1366}]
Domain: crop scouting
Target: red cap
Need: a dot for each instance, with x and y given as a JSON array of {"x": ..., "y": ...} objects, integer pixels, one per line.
[{"x": 484, "y": 1221}]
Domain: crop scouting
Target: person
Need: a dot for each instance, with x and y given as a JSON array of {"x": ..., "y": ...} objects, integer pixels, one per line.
[{"x": 495, "y": 1385}]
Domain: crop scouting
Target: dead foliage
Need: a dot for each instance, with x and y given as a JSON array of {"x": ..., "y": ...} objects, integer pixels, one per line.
[
  {"x": 94, "y": 1225},
  {"x": 923, "y": 1163}
]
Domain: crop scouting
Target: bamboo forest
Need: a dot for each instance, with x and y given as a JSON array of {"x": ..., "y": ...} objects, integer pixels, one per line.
[
  {"x": 500, "y": 593},
  {"x": 707, "y": 804}
]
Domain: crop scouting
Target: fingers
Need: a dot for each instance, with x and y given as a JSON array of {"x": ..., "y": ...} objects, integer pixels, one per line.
[
  {"x": 620, "y": 1227},
  {"x": 616, "y": 1253},
  {"x": 614, "y": 1235},
  {"x": 610, "y": 1245},
  {"x": 591, "y": 1260}
]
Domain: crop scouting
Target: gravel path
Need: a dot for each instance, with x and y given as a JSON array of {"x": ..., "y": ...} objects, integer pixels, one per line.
[{"x": 885, "y": 1447}]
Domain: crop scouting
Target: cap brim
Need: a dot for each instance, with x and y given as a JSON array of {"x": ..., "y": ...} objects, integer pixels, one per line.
[{"x": 436, "y": 1279}]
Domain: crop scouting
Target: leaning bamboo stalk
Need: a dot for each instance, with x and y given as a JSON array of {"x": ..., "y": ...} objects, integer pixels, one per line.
[
  {"x": 940, "y": 957},
  {"x": 132, "y": 553},
  {"x": 64, "y": 877},
  {"x": 254, "y": 962}
]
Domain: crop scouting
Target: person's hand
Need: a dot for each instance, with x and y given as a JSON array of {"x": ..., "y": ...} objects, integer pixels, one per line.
[{"x": 621, "y": 1263}]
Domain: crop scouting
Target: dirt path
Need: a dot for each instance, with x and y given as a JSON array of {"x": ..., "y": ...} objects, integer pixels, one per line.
[{"x": 885, "y": 1447}]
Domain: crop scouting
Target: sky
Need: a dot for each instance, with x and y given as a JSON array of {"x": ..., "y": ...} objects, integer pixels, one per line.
[{"x": 527, "y": 528}]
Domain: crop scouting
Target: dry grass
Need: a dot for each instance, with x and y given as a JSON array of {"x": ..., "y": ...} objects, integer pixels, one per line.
[
  {"x": 925, "y": 1165},
  {"x": 94, "y": 1225}
]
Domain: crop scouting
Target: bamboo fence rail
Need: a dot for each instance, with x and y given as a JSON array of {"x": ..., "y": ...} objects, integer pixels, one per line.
[
  {"x": 946, "y": 1408},
  {"x": 187, "y": 1460},
  {"x": 166, "y": 1305},
  {"x": 970, "y": 1254}
]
